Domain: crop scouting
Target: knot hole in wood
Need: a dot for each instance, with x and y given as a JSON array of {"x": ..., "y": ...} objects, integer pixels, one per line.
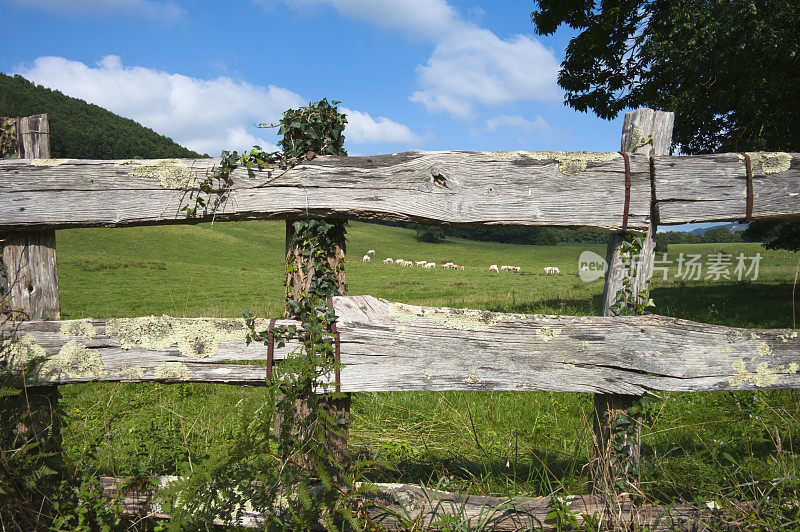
[{"x": 439, "y": 178}]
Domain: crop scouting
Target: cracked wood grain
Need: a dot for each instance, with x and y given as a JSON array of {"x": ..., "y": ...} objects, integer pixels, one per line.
[{"x": 394, "y": 347}]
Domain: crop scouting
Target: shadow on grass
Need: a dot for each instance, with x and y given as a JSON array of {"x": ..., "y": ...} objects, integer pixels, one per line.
[
  {"x": 578, "y": 307},
  {"x": 535, "y": 474},
  {"x": 736, "y": 304}
]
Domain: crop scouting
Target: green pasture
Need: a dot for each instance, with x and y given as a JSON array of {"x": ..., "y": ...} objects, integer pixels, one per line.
[{"x": 696, "y": 446}]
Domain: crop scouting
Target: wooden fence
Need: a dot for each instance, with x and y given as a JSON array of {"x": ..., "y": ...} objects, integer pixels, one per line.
[{"x": 388, "y": 346}]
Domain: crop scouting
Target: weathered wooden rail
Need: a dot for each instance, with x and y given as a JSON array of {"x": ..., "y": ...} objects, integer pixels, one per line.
[
  {"x": 389, "y": 346},
  {"x": 402, "y": 506},
  {"x": 574, "y": 189}
]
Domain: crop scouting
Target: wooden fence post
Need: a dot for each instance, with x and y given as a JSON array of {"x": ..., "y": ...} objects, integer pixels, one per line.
[
  {"x": 616, "y": 452},
  {"x": 29, "y": 285},
  {"x": 298, "y": 282},
  {"x": 28, "y": 276}
]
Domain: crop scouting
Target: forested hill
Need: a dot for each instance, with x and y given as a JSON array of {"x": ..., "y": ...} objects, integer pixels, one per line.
[{"x": 80, "y": 130}]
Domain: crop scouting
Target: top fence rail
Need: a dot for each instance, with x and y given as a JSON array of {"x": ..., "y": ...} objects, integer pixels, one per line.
[{"x": 571, "y": 189}]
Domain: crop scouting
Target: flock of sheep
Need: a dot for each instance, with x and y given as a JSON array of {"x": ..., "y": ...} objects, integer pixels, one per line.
[{"x": 550, "y": 270}]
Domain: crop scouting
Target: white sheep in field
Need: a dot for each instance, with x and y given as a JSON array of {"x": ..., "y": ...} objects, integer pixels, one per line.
[
  {"x": 493, "y": 268},
  {"x": 448, "y": 265},
  {"x": 552, "y": 270},
  {"x": 517, "y": 269},
  {"x": 420, "y": 263},
  {"x": 430, "y": 265},
  {"x": 371, "y": 252},
  {"x": 365, "y": 258},
  {"x": 505, "y": 268},
  {"x": 388, "y": 260},
  {"x": 407, "y": 264}
]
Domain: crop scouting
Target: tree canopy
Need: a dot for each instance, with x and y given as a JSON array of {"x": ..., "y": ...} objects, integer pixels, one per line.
[
  {"x": 729, "y": 69},
  {"x": 79, "y": 130}
]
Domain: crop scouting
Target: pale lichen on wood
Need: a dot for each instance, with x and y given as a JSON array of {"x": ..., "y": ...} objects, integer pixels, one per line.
[
  {"x": 195, "y": 338},
  {"x": 173, "y": 371},
  {"x": 50, "y": 162},
  {"x": 171, "y": 173},
  {"x": 462, "y": 319},
  {"x": 72, "y": 361},
  {"x": 81, "y": 328},
  {"x": 770, "y": 162},
  {"x": 569, "y": 162}
]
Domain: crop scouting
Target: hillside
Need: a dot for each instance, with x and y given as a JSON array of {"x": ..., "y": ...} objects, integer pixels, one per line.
[{"x": 81, "y": 130}]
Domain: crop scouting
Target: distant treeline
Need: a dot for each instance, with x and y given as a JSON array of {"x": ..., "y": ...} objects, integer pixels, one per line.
[
  {"x": 713, "y": 235},
  {"x": 79, "y": 130},
  {"x": 548, "y": 236}
]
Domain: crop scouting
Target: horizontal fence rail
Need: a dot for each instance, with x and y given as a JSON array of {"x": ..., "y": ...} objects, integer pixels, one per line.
[
  {"x": 389, "y": 346},
  {"x": 710, "y": 188},
  {"x": 400, "y": 506},
  {"x": 574, "y": 189}
]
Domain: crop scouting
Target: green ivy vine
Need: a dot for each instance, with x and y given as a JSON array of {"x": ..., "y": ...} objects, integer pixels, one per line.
[
  {"x": 317, "y": 129},
  {"x": 8, "y": 139},
  {"x": 624, "y": 428},
  {"x": 627, "y": 302},
  {"x": 278, "y": 464}
]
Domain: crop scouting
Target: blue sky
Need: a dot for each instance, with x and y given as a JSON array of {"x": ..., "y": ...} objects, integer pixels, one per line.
[{"x": 412, "y": 74}]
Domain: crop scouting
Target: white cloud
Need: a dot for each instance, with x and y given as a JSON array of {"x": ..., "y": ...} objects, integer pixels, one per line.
[
  {"x": 469, "y": 65},
  {"x": 204, "y": 115},
  {"x": 207, "y": 116},
  {"x": 538, "y": 125},
  {"x": 361, "y": 128},
  {"x": 473, "y": 65},
  {"x": 423, "y": 18},
  {"x": 147, "y": 8}
]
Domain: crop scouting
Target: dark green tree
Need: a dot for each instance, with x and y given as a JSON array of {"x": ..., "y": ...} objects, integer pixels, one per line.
[
  {"x": 81, "y": 130},
  {"x": 729, "y": 69},
  {"x": 430, "y": 233}
]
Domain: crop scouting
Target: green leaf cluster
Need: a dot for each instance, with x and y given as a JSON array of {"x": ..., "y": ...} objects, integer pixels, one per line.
[
  {"x": 317, "y": 129},
  {"x": 627, "y": 302},
  {"x": 729, "y": 69}
]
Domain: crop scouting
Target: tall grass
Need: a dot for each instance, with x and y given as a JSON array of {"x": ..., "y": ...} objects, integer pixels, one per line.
[{"x": 697, "y": 446}]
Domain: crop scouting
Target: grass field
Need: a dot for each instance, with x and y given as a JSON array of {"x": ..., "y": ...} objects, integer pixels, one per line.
[{"x": 695, "y": 446}]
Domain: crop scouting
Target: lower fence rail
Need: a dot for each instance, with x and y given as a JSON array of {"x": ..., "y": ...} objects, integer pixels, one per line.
[
  {"x": 398, "y": 506},
  {"x": 389, "y": 346}
]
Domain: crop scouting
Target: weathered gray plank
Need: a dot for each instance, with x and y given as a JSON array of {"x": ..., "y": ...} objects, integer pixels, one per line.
[
  {"x": 708, "y": 188},
  {"x": 400, "y": 506},
  {"x": 29, "y": 276},
  {"x": 154, "y": 348},
  {"x": 394, "y": 347},
  {"x": 511, "y": 188},
  {"x": 646, "y": 132},
  {"x": 34, "y": 134}
]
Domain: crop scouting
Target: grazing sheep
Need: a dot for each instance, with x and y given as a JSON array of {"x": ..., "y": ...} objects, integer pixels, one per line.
[
  {"x": 371, "y": 252},
  {"x": 551, "y": 270},
  {"x": 517, "y": 269},
  {"x": 430, "y": 265},
  {"x": 493, "y": 268},
  {"x": 448, "y": 265},
  {"x": 420, "y": 263},
  {"x": 505, "y": 268},
  {"x": 407, "y": 264},
  {"x": 365, "y": 258},
  {"x": 388, "y": 260}
]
